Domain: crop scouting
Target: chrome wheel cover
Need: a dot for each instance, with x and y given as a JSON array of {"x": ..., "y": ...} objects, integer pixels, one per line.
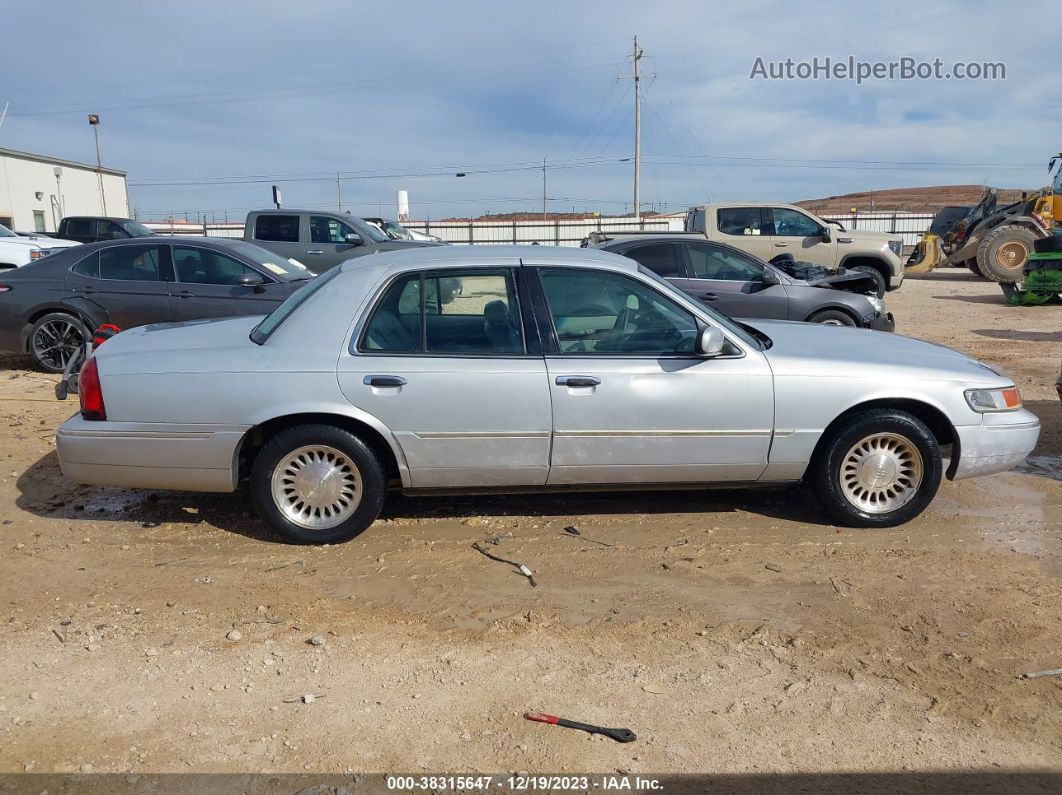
[
  {"x": 831, "y": 323},
  {"x": 316, "y": 487},
  {"x": 56, "y": 342},
  {"x": 881, "y": 472}
]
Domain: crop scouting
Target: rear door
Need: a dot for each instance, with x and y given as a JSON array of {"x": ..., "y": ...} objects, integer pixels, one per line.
[
  {"x": 447, "y": 362},
  {"x": 747, "y": 228},
  {"x": 131, "y": 283},
  {"x": 328, "y": 243},
  {"x": 793, "y": 232},
  {"x": 280, "y": 233},
  {"x": 728, "y": 280},
  {"x": 205, "y": 285}
]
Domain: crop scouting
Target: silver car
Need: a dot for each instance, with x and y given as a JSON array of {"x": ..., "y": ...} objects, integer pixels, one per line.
[{"x": 522, "y": 368}]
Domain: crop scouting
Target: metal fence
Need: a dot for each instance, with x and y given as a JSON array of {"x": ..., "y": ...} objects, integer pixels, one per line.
[{"x": 908, "y": 226}]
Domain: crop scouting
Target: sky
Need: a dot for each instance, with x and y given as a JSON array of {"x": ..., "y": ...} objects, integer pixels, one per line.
[{"x": 206, "y": 105}]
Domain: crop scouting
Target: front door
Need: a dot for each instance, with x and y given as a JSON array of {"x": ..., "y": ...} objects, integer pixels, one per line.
[
  {"x": 328, "y": 243},
  {"x": 732, "y": 282},
  {"x": 129, "y": 282},
  {"x": 632, "y": 403},
  {"x": 443, "y": 362},
  {"x": 794, "y": 233},
  {"x": 205, "y": 285}
]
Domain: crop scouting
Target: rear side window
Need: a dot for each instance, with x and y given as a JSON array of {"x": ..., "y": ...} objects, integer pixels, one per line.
[
  {"x": 122, "y": 263},
  {"x": 277, "y": 228},
  {"x": 661, "y": 258},
  {"x": 741, "y": 221},
  {"x": 447, "y": 313},
  {"x": 82, "y": 227}
]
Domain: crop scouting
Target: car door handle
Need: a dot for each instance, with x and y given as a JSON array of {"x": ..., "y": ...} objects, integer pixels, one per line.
[
  {"x": 384, "y": 380},
  {"x": 781, "y": 245},
  {"x": 316, "y": 251},
  {"x": 186, "y": 294},
  {"x": 844, "y": 240},
  {"x": 86, "y": 290},
  {"x": 577, "y": 380},
  {"x": 707, "y": 296}
]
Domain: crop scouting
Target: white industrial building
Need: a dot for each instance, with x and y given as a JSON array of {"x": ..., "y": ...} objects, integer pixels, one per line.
[{"x": 36, "y": 191}]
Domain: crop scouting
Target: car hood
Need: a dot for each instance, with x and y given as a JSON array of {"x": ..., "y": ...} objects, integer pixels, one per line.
[
  {"x": 811, "y": 349},
  {"x": 40, "y": 242},
  {"x": 873, "y": 239}
]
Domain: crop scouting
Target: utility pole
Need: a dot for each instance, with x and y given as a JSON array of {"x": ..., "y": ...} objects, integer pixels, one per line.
[
  {"x": 543, "y": 189},
  {"x": 94, "y": 123},
  {"x": 637, "y": 131},
  {"x": 339, "y": 193}
]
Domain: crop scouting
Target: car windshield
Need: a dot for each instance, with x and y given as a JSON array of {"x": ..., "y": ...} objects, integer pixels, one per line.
[
  {"x": 720, "y": 320},
  {"x": 270, "y": 323},
  {"x": 395, "y": 231},
  {"x": 5, "y": 232},
  {"x": 285, "y": 270},
  {"x": 136, "y": 229},
  {"x": 366, "y": 229}
]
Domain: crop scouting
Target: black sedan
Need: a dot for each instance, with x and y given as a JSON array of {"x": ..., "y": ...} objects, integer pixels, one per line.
[{"x": 47, "y": 307}]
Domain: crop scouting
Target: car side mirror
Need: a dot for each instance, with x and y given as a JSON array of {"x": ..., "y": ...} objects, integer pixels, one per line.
[
  {"x": 353, "y": 239},
  {"x": 710, "y": 342},
  {"x": 825, "y": 233},
  {"x": 252, "y": 280},
  {"x": 769, "y": 277}
]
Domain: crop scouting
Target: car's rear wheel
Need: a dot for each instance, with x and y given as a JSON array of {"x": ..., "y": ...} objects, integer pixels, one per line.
[
  {"x": 832, "y": 317},
  {"x": 55, "y": 339},
  {"x": 1002, "y": 254},
  {"x": 880, "y": 468},
  {"x": 317, "y": 484}
]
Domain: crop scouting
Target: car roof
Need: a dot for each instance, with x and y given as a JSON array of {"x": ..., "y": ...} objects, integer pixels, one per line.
[
  {"x": 427, "y": 256},
  {"x": 663, "y": 237}
]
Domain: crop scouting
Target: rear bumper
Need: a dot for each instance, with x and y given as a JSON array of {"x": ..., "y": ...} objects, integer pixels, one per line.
[
  {"x": 1001, "y": 442},
  {"x": 149, "y": 455}
]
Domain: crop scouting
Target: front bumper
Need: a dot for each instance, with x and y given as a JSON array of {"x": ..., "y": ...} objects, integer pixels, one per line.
[
  {"x": 1000, "y": 442},
  {"x": 881, "y": 321},
  {"x": 149, "y": 455}
]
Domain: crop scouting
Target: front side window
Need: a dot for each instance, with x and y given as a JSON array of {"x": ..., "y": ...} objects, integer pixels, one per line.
[
  {"x": 277, "y": 228},
  {"x": 601, "y": 312},
  {"x": 715, "y": 262},
  {"x": 663, "y": 259},
  {"x": 328, "y": 230},
  {"x": 109, "y": 230},
  {"x": 790, "y": 223},
  {"x": 203, "y": 266},
  {"x": 741, "y": 221},
  {"x": 447, "y": 313},
  {"x": 123, "y": 263}
]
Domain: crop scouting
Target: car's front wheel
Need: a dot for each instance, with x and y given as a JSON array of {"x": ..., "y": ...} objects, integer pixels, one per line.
[
  {"x": 880, "y": 468},
  {"x": 317, "y": 484},
  {"x": 833, "y": 317}
]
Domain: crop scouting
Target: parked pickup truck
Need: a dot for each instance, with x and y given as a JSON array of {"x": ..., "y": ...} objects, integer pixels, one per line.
[
  {"x": 767, "y": 230},
  {"x": 18, "y": 250},
  {"x": 94, "y": 228},
  {"x": 318, "y": 240}
]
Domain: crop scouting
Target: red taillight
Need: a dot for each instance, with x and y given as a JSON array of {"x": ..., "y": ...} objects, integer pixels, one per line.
[
  {"x": 88, "y": 389},
  {"x": 6, "y": 288}
]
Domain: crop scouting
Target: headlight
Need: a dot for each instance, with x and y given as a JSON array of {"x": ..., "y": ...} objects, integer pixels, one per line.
[
  {"x": 985, "y": 400},
  {"x": 41, "y": 253},
  {"x": 896, "y": 246},
  {"x": 877, "y": 303}
]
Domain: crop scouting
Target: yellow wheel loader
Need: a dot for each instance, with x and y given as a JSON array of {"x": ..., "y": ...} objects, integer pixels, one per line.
[{"x": 995, "y": 242}]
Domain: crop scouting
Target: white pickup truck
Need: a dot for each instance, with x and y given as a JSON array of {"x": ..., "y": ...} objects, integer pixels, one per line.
[
  {"x": 16, "y": 250},
  {"x": 767, "y": 230}
]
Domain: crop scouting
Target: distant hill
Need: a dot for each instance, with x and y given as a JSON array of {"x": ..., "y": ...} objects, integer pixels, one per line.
[{"x": 927, "y": 200}]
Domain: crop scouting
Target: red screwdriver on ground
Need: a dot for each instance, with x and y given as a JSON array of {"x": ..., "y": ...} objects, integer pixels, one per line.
[{"x": 619, "y": 735}]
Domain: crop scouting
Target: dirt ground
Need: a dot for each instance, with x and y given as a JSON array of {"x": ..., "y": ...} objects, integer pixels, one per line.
[{"x": 733, "y": 632}]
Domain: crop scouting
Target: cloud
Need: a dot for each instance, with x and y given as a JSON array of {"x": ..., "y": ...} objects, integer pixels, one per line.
[{"x": 206, "y": 90}]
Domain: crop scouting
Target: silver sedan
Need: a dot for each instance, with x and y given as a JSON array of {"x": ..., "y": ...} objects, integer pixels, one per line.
[{"x": 522, "y": 368}]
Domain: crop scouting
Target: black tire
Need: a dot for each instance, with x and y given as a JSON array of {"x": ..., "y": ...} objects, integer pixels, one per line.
[
  {"x": 833, "y": 317},
  {"x": 825, "y": 473},
  {"x": 1052, "y": 244},
  {"x": 975, "y": 269},
  {"x": 359, "y": 457},
  {"x": 1002, "y": 254},
  {"x": 54, "y": 338},
  {"x": 879, "y": 279}
]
